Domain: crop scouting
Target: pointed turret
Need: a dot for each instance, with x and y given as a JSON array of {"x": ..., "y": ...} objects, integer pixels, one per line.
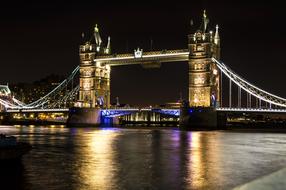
[
  {"x": 83, "y": 38},
  {"x": 216, "y": 37},
  {"x": 97, "y": 37},
  {"x": 108, "y": 47},
  {"x": 204, "y": 24}
]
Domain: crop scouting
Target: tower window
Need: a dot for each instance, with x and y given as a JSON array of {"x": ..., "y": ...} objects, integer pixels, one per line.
[{"x": 200, "y": 48}]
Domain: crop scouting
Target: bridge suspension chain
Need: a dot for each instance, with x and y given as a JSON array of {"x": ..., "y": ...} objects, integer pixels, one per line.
[
  {"x": 253, "y": 90},
  {"x": 45, "y": 101},
  {"x": 7, "y": 104},
  {"x": 61, "y": 103}
]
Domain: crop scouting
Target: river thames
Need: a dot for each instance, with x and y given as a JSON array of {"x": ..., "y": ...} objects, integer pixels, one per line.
[{"x": 146, "y": 158}]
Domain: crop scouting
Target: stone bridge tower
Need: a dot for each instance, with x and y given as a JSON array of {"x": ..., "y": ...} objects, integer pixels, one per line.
[
  {"x": 94, "y": 79},
  {"x": 204, "y": 76}
]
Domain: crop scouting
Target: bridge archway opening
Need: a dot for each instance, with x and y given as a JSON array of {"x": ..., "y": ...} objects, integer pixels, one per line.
[{"x": 138, "y": 86}]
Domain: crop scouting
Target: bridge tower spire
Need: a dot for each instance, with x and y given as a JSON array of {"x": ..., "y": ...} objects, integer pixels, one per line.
[
  {"x": 204, "y": 88},
  {"x": 97, "y": 38},
  {"x": 216, "y": 37},
  {"x": 205, "y": 22},
  {"x": 108, "y": 47}
]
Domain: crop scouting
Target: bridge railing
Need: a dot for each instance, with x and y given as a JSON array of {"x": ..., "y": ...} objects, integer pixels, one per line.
[{"x": 265, "y": 110}]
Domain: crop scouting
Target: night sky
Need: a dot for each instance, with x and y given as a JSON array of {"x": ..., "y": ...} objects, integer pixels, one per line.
[{"x": 38, "y": 39}]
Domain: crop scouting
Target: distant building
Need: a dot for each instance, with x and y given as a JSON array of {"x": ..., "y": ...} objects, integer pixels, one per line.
[{"x": 30, "y": 92}]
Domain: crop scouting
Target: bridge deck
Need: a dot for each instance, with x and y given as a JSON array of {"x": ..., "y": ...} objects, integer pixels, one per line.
[
  {"x": 168, "y": 111},
  {"x": 253, "y": 110},
  {"x": 37, "y": 110}
]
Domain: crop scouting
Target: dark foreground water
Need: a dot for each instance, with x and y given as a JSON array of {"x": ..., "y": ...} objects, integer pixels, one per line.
[{"x": 90, "y": 159}]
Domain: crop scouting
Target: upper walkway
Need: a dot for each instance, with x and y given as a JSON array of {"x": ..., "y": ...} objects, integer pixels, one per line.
[{"x": 141, "y": 57}]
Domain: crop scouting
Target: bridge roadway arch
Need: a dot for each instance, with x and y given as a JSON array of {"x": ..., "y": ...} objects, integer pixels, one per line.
[
  {"x": 133, "y": 115},
  {"x": 230, "y": 114}
]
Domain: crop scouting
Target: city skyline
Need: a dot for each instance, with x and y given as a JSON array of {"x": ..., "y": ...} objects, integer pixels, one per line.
[{"x": 251, "y": 38}]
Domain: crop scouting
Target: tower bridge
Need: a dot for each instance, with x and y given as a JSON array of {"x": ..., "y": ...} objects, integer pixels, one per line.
[
  {"x": 204, "y": 79},
  {"x": 205, "y": 101}
]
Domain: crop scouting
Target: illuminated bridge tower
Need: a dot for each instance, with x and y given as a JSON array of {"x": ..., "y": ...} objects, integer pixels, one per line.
[
  {"x": 94, "y": 83},
  {"x": 204, "y": 78},
  {"x": 94, "y": 77},
  {"x": 87, "y": 75}
]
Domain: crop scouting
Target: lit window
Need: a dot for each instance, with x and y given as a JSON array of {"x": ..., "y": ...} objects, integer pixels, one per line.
[
  {"x": 199, "y": 80},
  {"x": 200, "y": 48}
]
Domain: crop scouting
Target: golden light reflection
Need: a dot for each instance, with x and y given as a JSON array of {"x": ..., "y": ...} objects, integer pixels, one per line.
[
  {"x": 196, "y": 170},
  {"x": 31, "y": 130},
  {"x": 205, "y": 160},
  {"x": 98, "y": 167}
]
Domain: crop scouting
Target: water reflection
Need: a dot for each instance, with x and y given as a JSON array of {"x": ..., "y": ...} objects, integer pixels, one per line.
[
  {"x": 90, "y": 158},
  {"x": 97, "y": 168},
  {"x": 203, "y": 163},
  {"x": 195, "y": 166}
]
